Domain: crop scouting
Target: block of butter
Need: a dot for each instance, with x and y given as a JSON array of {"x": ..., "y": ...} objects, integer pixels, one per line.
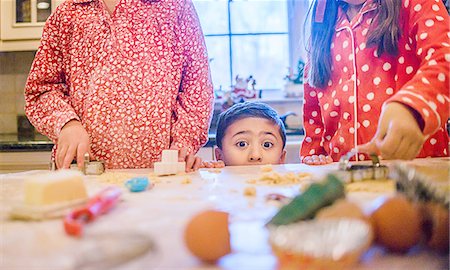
[{"x": 54, "y": 187}]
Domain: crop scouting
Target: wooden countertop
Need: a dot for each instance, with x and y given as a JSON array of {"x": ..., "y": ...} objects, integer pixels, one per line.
[{"x": 162, "y": 213}]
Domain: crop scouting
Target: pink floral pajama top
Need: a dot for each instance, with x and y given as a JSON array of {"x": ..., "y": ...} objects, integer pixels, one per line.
[
  {"x": 138, "y": 80},
  {"x": 345, "y": 113}
]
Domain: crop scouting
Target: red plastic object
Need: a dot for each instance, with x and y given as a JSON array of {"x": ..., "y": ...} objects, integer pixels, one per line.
[{"x": 97, "y": 205}]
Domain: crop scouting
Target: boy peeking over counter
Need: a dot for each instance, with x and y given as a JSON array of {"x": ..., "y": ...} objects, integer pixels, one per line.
[{"x": 250, "y": 133}]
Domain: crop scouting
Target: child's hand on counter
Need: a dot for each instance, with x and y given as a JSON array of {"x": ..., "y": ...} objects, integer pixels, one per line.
[
  {"x": 398, "y": 136},
  {"x": 73, "y": 141},
  {"x": 213, "y": 164},
  {"x": 193, "y": 162},
  {"x": 317, "y": 160}
]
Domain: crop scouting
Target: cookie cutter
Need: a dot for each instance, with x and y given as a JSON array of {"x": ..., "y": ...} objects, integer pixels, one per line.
[
  {"x": 95, "y": 167},
  {"x": 361, "y": 172}
]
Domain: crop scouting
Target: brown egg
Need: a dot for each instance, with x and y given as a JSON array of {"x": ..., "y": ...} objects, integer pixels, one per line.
[
  {"x": 436, "y": 226},
  {"x": 207, "y": 235},
  {"x": 397, "y": 224}
]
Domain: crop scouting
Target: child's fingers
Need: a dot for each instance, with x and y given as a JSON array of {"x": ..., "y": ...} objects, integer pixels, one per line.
[
  {"x": 197, "y": 163},
  {"x": 306, "y": 160},
  {"x": 325, "y": 159},
  {"x": 372, "y": 147},
  {"x": 190, "y": 160},
  {"x": 322, "y": 159},
  {"x": 315, "y": 159},
  {"x": 413, "y": 150},
  {"x": 390, "y": 144},
  {"x": 182, "y": 153},
  {"x": 60, "y": 154},
  {"x": 219, "y": 164},
  {"x": 310, "y": 160},
  {"x": 368, "y": 148},
  {"x": 81, "y": 150},
  {"x": 212, "y": 164},
  {"x": 208, "y": 164},
  {"x": 402, "y": 149},
  {"x": 70, "y": 155}
]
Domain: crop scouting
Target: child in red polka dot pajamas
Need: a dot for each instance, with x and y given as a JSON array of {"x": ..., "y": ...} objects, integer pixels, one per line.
[
  {"x": 122, "y": 80},
  {"x": 377, "y": 80}
]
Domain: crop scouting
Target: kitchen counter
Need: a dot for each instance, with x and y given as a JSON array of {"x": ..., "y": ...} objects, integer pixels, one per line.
[
  {"x": 17, "y": 143},
  {"x": 162, "y": 213}
]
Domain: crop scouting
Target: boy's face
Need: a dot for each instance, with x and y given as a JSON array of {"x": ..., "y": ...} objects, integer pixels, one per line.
[{"x": 251, "y": 141}]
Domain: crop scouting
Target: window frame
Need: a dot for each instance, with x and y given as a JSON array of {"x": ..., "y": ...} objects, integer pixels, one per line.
[{"x": 296, "y": 11}]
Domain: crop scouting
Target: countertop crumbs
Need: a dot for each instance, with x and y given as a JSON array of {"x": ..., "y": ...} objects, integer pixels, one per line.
[
  {"x": 276, "y": 178},
  {"x": 267, "y": 168},
  {"x": 250, "y": 191},
  {"x": 186, "y": 180},
  {"x": 114, "y": 178}
]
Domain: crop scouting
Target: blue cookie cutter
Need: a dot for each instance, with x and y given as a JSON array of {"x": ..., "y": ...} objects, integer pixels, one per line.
[{"x": 137, "y": 184}]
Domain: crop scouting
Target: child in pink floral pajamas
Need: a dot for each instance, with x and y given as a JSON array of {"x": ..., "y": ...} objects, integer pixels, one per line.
[
  {"x": 122, "y": 80},
  {"x": 377, "y": 80}
]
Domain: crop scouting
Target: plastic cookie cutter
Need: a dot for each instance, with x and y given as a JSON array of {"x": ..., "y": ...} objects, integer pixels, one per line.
[
  {"x": 95, "y": 167},
  {"x": 96, "y": 206},
  {"x": 360, "y": 172},
  {"x": 137, "y": 184}
]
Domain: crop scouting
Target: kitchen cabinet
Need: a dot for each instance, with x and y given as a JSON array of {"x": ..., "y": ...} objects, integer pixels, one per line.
[
  {"x": 22, "y": 22},
  {"x": 23, "y": 161}
]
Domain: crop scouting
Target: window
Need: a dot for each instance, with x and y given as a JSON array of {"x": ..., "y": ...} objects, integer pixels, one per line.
[{"x": 247, "y": 37}]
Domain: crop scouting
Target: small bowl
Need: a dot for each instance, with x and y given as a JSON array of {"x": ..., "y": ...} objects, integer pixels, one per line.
[
  {"x": 137, "y": 184},
  {"x": 320, "y": 244}
]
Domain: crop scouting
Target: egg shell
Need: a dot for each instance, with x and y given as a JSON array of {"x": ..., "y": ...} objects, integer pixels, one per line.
[
  {"x": 436, "y": 226},
  {"x": 397, "y": 224},
  {"x": 207, "y": 235}
]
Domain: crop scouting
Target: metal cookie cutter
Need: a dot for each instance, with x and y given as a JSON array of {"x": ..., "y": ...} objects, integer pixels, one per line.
[
  {"x": 95, "y": 167},
  {"x": 360, "y": 172}
]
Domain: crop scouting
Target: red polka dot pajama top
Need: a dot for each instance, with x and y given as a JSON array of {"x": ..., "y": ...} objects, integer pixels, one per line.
[
  {"x": 138, "y": 79},
  {"x": 345, "y": 113}
]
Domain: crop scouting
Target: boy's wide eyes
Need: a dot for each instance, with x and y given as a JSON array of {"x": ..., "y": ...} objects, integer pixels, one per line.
[
  {"x": 267, "y": 144},
  {"x": 244, "y": 144},
  {"x": 241, "y": 144}
]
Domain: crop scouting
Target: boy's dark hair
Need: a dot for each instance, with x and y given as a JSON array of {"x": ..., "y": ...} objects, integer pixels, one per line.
[
  {"x": 246, "y": 110},
  {"x": 384, "y": 34}
]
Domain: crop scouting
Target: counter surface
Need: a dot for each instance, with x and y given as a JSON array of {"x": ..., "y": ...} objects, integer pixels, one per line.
[{"x": 162, "y": 213}]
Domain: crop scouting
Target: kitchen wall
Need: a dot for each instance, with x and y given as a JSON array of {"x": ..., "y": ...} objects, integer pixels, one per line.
[{"x": 14, "y": 69}]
